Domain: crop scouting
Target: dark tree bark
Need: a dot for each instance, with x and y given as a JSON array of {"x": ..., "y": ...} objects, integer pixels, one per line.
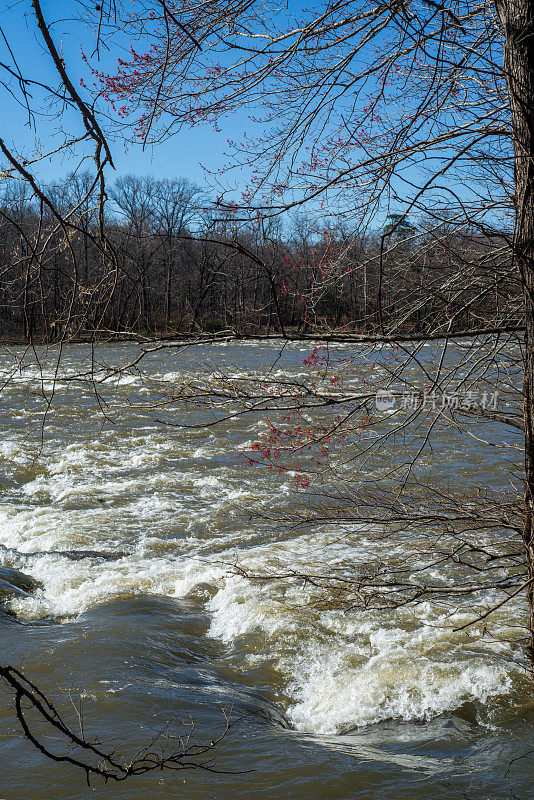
[{"x": 517, "y": 19}]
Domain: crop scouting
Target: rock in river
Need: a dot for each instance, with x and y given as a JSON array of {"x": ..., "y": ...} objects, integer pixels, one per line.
[{"x": 15, "y": 584}]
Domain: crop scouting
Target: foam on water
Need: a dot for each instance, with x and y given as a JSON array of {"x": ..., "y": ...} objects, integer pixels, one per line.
[
  {"x": 333, "y": 697},
  {"x": 348, "y": 669},
  {"x": 178, "y": 505}
]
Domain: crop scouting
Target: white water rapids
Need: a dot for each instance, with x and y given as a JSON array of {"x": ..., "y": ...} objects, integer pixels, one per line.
[
  {"x": 174, "y": 506},
  {"x": 175, "y": 503}
]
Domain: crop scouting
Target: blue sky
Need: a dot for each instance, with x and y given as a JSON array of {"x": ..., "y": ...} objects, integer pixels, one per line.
[{"x": 180, "y": 156}]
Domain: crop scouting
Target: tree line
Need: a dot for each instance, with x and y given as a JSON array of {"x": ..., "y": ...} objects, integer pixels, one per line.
[
  {"x": 422, "y": 112},
  {"x": 177, "y": 263}
]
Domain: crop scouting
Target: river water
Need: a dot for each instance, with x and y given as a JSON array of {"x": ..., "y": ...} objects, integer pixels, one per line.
[{"x": 335, "y": 702}]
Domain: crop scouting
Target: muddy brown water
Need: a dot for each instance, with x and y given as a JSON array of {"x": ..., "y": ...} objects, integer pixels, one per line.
[{"x": 158, "y": 630}]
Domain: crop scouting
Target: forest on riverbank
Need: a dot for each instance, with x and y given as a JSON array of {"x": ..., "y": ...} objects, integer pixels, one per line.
[
  {"x": 181, "y": 264},
  {"x": 375, "y": 192}
]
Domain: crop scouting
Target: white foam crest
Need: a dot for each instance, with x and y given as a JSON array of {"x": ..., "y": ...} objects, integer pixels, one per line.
[
  {"x": 171, "y": 377},
  {"x": 72, "y": 587},
  {"x": 29, "y": 529},
  {"x": 15, "y": 452},
  {"x": 64, "y": 487},
  {"x": 125, "y": 380},
  {"x": 333, "y": 696},
  {"x": 348, "y": 669},
  {"x": 235, "y": 612},
  {"x": 202, "y": 452}
]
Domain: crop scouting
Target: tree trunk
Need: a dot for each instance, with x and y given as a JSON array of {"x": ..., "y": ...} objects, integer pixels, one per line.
[
  {"x": 517, "y": 19},
  {"x": 168, "y": 281}
]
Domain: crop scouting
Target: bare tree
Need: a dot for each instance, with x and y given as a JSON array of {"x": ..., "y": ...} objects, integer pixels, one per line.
[
  {"x": 372, "y": 110},
  {"x": 61, "y": 279},
  {"x": 373, "y": 114}
]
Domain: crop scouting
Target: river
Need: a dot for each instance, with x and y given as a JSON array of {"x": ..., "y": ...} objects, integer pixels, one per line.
[{"x": 334, "y": 702}]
